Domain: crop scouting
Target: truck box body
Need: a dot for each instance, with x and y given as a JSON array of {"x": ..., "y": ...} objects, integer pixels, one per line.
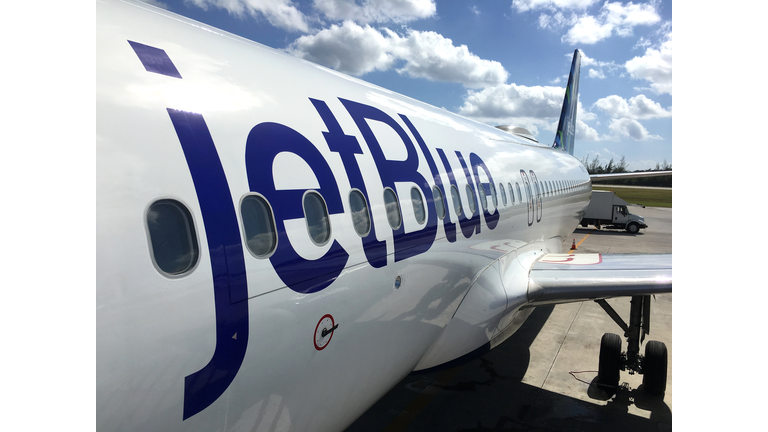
[{"x": 601, "y": 205}]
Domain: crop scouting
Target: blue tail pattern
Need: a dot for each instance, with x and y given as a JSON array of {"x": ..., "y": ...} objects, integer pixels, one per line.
[{"x": 566, "y": 129}]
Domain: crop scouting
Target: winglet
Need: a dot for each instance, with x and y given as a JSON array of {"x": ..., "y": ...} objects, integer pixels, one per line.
[{"x": 566, "y": 129}]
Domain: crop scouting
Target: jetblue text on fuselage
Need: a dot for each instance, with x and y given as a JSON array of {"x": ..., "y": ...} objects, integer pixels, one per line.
[{"x": 307, "y": 276}]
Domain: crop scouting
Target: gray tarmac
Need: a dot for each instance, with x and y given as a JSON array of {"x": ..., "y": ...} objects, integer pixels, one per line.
[{"x": 543, "y": 377}]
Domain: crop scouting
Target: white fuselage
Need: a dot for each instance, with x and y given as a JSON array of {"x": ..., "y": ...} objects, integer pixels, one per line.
[{"x": 393, "y": 294}]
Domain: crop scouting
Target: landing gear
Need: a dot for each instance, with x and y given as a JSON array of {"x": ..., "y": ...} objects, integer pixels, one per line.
[{"x": 653, "y": 365}]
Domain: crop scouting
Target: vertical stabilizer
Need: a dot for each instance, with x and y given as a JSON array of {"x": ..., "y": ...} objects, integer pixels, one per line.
[{"x": 566, "y": 129}]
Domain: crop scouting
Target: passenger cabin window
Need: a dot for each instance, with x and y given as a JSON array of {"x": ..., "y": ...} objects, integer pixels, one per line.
[
  {"x": 483, "y": 198},
  {"x": 471, "y": 198},
  {"x": 361, "y": 217},
  {"x": 511, "y": 192},
  {"x": 259, "y": 225},
  {"x": 456, "y": 201},
  {"x": 439, "y": 204},
  {"x": 493, "y": 195},
  {"x": 418, "y": 205},
  {"x": 172, "y": 236},
  {"x": 393, "y": 208},
  {"x": 519, "y": 194},
  {"x": 316, "y": 215},
  {"x": 503, "y": 194}
]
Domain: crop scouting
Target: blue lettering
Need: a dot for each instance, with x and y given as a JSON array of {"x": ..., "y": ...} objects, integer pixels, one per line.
[
  {"x": 347, "y": 147},
  {"x": 490, "y": 219},
  {"x": 392, "y": 171},
  {"x": 264, "y": 142},
  {"x": 448, "y": 226}
]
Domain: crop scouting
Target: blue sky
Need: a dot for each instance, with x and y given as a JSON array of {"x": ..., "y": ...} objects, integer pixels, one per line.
[{"x": 499, "y": 62}]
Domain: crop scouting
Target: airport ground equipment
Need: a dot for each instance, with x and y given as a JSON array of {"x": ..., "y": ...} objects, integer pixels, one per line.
[{"x": 606, "y": 210}]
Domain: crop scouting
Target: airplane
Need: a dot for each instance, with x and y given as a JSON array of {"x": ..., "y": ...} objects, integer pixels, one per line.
[{"x": 280, "y": 244}]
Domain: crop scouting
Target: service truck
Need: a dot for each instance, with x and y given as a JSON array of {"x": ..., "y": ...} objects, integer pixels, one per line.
[{"x": 609, "y": 211}]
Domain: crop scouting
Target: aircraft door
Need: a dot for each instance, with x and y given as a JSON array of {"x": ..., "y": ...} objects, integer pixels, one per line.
[
  {"x": 528, "y": 195},
  {"x": 537, "y": 189}
]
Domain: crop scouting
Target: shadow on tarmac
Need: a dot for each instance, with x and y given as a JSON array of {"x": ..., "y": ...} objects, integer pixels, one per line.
[{"x": 487, "y": 394}]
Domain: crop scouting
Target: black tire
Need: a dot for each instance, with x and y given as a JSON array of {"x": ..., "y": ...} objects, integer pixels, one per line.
[
  {"x": 633, "y": 228},
  {"x": 655, "y": 368},
  {"x": 610, "y": 362}
]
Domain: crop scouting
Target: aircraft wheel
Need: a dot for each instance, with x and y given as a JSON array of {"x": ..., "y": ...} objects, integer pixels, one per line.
[
  {"x": 655, "y": 368},
  {"x": 633, "y": 228},
  {"x": 610, "y": 362}
]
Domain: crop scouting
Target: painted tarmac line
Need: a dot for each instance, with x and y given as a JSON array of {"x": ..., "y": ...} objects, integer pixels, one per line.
[{"x": 585, "y": 237}]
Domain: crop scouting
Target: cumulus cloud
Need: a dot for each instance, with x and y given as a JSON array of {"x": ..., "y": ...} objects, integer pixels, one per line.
[
  {"x": 597, "y": 65},
  {"x": 655, "y": 66},
  {"x": 585, "y": 133},
  {"x": 399, "y": 11},
  {"x": 432, "y": 56},
  {"x": 555, "y": 21},
  {"x": 588, "y": 30},
  {"x": 626, "y": 113},
  {"x": 357, "y": 50},
  {"x": 596, "y": 73},
  {"x": 511, "y": 100},
  {"x": 626, "y": 127},
  {"x": 536, "y": 107},
  {"x": 279, "y": 13},
  {"x": 527, "y": 5},
  {"x": 637, "y": 108},
  {"x": 348, "y": 48},
  {"x": 614, "y": 18}
]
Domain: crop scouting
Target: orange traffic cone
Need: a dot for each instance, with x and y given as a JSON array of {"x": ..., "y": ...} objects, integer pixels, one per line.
[{"x": 573, "y": 247}]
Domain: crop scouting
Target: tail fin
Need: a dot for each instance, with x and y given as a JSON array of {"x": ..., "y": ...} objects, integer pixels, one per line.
[{"x": 566, "y": 129}]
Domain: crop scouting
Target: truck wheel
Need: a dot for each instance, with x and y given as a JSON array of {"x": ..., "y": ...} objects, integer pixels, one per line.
[{"x": 633, "y": 228}]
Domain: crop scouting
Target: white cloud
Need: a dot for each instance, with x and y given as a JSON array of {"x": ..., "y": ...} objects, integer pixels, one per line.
[
  {"x": 588, "y": 30},
  {"x": 637, "y": 108},
  {"x": 596, "y": 74},
  {"x": 555, "y": 21},
  {"x": 527, "y": 5},
  {"x": 625, "y": 17},
  {"x": 586, "y": 133},
  {"x": 348, "y": 48},
  {"x": 511, "y": 100},
  {"x": 626, "y": 127},
  {"x": 279, "y": 13},
  {"x": 655, "y": 66},
  {"x": 357, "y": 50},
  {"x": 399, "y": 11},
  {"x": 614, "y": 18},
  {"x": 432, "y": 56},
  {"x": 530, "y": 107},
  {"x": 642, "y": 43},
  {"x": 588, "y": 61}
]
